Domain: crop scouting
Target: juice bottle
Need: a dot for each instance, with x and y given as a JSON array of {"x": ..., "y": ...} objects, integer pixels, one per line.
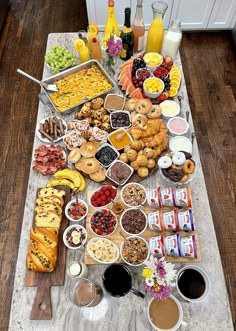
[
  {"x": 84, "y": 54},
  {"x": 111, "y": 26},
  {"x": 96, "y": 49},
  {"x": 156, "y": 30},
  {"x": 138, "y": 27}
]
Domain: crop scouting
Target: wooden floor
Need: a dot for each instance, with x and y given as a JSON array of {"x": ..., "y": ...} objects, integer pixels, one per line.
[{"x": 209, "y": 65}]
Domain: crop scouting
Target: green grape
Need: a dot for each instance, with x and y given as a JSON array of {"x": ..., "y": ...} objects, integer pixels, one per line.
[{"x": 60, "y": 57}]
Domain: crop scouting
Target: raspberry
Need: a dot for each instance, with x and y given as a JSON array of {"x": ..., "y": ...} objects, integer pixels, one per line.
[
  {"x": 95, "y": 204},
  {"x": 107, "y": 193},
  {"x": 103, "y": 197},
  {"x": 103, "y": 189},
  {"x": 113, "y": 195},
  {"x": 98, "y": 200},
  {"x": 96, "y": 195}
]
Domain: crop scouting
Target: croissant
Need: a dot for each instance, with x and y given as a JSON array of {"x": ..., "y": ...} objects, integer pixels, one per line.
[{"x": 42, "y": 251}]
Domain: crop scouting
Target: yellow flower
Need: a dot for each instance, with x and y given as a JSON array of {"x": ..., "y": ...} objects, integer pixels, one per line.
[
  {"x": 147, "y": 273},
  {"x": 157, "y": 288}
]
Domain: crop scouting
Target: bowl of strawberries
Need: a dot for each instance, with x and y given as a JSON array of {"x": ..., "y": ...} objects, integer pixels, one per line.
[{"x": 103, "y": 196}]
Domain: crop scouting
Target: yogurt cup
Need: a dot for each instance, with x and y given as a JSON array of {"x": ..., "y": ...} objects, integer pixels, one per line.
[
  {"x": 177, "y": 126},
  {"x": 169, "y": 109},
  {"x": 180, "y": 143}
]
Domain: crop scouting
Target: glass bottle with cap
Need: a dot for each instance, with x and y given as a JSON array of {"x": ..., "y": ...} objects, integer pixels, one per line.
[
  {"x": 111, "y": 26},
  {"x": 172, "y": 40},
  {"x": 127, "y": 37},
  {"x": 138, "y": 27}
]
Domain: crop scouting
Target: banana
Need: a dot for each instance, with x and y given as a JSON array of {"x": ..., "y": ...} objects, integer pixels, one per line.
[
  {"x": 64, "y": 182},
  {"x": 70, "y": 174},
  {"x": 83, "y": 184}
]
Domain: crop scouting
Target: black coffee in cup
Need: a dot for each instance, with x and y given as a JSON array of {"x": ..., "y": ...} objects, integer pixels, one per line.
[
  {"x": 191, "y": 283},
  {"x": 117, "y": 280}
]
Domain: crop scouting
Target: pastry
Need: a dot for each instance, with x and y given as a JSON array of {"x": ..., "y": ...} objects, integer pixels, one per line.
[
  {"x": 46, "y": 191},
  {"x": 88, "y": 165},
  {"x": 99, "y": 175},
  {"x": 88, "y": 149},
  {"x": 139, "y": 120},
  {"x": 131, "y": 154},
  {"x": 48, "y": 220},
  {"x": 142, "y": 160},
  {"x": 74, "y": 155},
  {"x": 130, "y": 105},
  {"x": 143, "y": 171},
  {"x": 155, "y": 112},
  {"x": 143, "y": 106}
]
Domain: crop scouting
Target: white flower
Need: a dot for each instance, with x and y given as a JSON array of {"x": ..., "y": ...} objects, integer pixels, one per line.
[{"x": 149, "y": 281}]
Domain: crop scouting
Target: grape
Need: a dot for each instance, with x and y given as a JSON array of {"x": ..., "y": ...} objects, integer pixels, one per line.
[{"x": 59, "y": 57}]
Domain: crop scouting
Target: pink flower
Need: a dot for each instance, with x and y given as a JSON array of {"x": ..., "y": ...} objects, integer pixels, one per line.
[{"x": 114, "y": 46}]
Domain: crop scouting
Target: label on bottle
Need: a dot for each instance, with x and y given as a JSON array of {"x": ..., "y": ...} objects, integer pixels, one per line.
[{"x": 127, "y": 30}]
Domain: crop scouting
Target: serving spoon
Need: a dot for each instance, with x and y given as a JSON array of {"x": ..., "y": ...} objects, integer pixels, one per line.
[{"x": 48, "y": 87}]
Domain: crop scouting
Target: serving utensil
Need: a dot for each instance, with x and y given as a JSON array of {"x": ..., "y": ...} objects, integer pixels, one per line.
[
  {"x": 187, "y": 115},
  {"x": 192, "y": 137},
  {"x": 48, "y": 87},
  {"x": 120, "y": 136}
]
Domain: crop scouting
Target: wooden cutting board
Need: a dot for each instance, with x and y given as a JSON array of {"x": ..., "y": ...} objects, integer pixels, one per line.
[
  {"x": 117, "y": 238},
  {"x": 42, "y": 306}
]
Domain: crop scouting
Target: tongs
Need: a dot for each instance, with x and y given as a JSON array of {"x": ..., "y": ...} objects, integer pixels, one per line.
[{"x": 48, "y": 87}]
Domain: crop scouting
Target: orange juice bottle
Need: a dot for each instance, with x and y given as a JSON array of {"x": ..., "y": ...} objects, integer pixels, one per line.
[
  {"x": 96, "y": 48},
  {"x": 84, "y": 54},
  {"x": 156, "y": 30},
  {"x": 111, "y": 26}
]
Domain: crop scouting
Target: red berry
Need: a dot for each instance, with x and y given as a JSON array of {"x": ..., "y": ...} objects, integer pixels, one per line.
[
  {"x": 107, "y": 193},
  {"x": 98, "y": 200}
]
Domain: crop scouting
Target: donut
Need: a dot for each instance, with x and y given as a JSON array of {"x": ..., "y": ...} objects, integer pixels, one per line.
[
  {"x": 99, "y": 175},
  {"x": 88, "y": 165},
  {"x": 143, "y": 106},
  {"x": 143, "y": 172},
  {"x": 175, "y": 175},
  {"x": 88, "y": 149},
  {"x": 74, "y": 155},
  {"x": 139, "y": 120},
  {"x": 175, "y": 166},
  {"x": 184, "y": 179},
  {"x": 178, "y": 158},
  {"x": 189, "y": 167},
  {"x": 164, "y": 162},
  {"x": 155, "y": 112},
  {"x": 130, "y": 105},
  {"x": 188, "y": 156}
]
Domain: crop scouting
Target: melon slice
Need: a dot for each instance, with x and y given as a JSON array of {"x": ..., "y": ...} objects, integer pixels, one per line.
[
  {"x": 126, "y": 83},
  {"x": 128, "y": 62},
  {"x": 130, "y": 89},
  {"x": 122, "y": 79},
  {"x": 136, "y": 94}
]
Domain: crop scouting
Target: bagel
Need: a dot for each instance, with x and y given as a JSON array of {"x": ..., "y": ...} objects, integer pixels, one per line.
[
  {"x": 143, "y": 106},
  {"x": 99, "y": 175},
  {"x": 139, "y": 120},
  {"x": 189, "y": 167},
  {"x": 155, "y": 112},
  {"x": 74, "y": 155},
  {"x": 88, "y": 149},
  {"x": 130, "y": 105},
  {"x": 184, "y": 179},
  {"x": 88, "y": 165}
]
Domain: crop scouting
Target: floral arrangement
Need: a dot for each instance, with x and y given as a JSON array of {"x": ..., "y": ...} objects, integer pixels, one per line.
[
  {"x": 114, "y": 46},
  {"x": 158, "y": 275}
]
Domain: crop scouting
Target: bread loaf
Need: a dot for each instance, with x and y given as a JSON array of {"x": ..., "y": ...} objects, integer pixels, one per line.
[
  {"x": 42, "y": 251},
  {"x": 49, "y": 191},
  {"x": 49, "y": 199},
  {"x": 47, "y": 220},
  {"x": 49, "y": 207}
]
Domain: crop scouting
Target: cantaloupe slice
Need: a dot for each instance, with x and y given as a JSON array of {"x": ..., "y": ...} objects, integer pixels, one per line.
[{"x": 136, "y": 94}]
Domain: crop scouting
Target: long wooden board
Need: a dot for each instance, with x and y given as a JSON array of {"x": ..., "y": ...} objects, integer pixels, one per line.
[
  {"x": 118, "y": 239},
  {"x": 42, "y": 307}
]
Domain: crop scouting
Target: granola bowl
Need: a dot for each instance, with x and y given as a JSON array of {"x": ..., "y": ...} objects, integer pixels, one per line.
[
  {"x": 134, "y": 251},
  {"x": 133, "y": 195}
]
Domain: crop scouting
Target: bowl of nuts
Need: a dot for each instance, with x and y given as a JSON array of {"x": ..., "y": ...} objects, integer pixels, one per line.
[
  {"x": 133, "y": 221},
  {"x": 133, "y": 195},
  {"x": 134, "y": 251}
]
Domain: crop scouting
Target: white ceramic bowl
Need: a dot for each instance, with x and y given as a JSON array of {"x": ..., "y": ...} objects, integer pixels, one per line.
[
  {"x": 113, "y": 94},
  {"x": 180, "y": 143},
  {"x": 98, "y": 190},
  {"x": 169, "y": 109},
  {"x": 126, "y": 165},
  {"x": 126, "y": 203},
  {"x": 104, "y": 240},
  {"x": 104, "y": 235},
  {"x": 122, "y": 132},
  {"x": 114, "y": 113},
  {"x": 106, "y": 145},
  {"x": 191, "y": 177},
  {"x": 149, "y": 65},
  {"x": 70, "y": 205},
  {"x": 129, "y": 233},
  {"x": 77, "y": 227},
  {"x": 121, "y": 249},
  {"x": 153, "y": 95},
  {"x": 177, "y": 126},
  {"x": 44, "y": 139}
]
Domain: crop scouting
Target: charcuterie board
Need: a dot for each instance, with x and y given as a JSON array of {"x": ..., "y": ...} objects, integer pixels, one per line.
[
  {"x": 118, "y": 239},
  {"x": 42, "y": 306}
]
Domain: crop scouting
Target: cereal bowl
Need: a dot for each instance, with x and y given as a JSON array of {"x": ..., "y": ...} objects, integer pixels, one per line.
[
  {"x": 103, "y": 250},
  {"x": 76, "y": 210},
  {"x": 101, "y": 199},
  {"x": 75, "y": 236},
  {"x": 133, "y": 221},
  {"x": 153, "y": 87},
  {"x": 103, "y": 222},
  {"x": 134, "y": 244},
  {"x": 133, "y": 195}
]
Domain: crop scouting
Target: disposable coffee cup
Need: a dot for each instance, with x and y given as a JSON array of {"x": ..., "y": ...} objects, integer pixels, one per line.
[
  {"x": 165, "y": 315},
  {"x": 193, "y": 283}
]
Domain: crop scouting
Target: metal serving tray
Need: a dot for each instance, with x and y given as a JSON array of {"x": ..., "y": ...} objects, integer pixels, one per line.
[{"x": 73, "y": 70}]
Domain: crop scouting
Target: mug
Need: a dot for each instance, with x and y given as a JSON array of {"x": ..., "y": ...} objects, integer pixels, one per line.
[
  {"x": 84, "y": 293},
  {"x": 193, "y": 283},
  {"x": 165, "y": 315},
  {"x": 117, "y": 280}
]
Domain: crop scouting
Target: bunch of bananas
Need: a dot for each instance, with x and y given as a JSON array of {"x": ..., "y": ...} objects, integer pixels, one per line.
[{"x": 69, "y": 177}]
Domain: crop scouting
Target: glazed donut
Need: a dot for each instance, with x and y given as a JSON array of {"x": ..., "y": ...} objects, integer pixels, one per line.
[
  {"x": 74, "y": 155},
  {"x": 143, "y": 172},
  {"x": 187, "y": 155},
  {"x": 175, "y": 166},
  {"x": 88, "y": 149},
  {"x": 88, "y": 165},
  {"x": 173, "y": 174},
  {"x": 139, "y": 120},
  {"x": 143, "y": 106},
  {"x": 99, "y": 175},
  {"x": 155, "y": 112},
  {"x": 130, "y": 105},
  {"x": 189, "y": 167},
  {"x": 184, "y": 179}
]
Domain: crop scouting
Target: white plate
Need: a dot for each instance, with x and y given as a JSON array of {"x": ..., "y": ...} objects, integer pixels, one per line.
[
  {"x": 45, "y": 140},
  {"x": 117, "y": 254}
]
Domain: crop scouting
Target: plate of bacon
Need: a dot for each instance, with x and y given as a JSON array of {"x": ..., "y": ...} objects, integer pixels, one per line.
[{"x": 49, "y": 159}]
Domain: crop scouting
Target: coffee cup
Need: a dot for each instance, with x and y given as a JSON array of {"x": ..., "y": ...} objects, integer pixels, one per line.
[
  {"x": 117, "y": 280},
  {"x": 193, "y": 283},
  {"x": 165, "y": 315}
]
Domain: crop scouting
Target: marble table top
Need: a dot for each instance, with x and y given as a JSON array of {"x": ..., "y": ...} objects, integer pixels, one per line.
[{"x": 129, "y": 312}]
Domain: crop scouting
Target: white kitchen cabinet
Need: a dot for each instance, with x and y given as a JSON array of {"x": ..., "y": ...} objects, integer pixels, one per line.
[
  {"x": 97, "y": 12},
  {"x": 193, "y": 14},
  {"x": 222, "y": 15}
]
